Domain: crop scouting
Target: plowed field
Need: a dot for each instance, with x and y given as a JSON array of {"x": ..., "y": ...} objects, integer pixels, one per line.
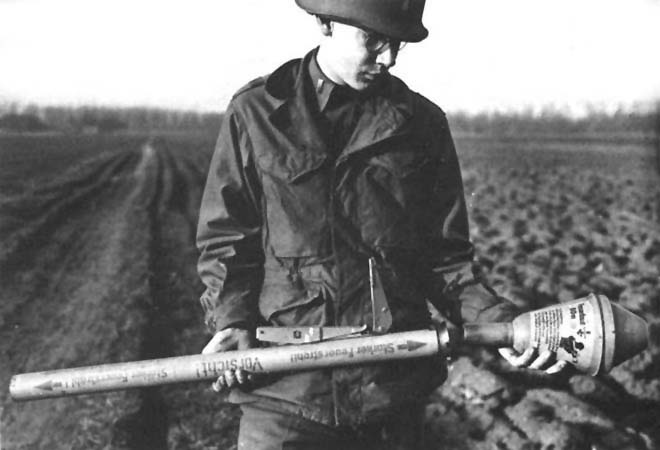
[{"x": 97, "y": 264}]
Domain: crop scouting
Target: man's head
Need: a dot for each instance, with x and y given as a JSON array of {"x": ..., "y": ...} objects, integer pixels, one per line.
[
  {"x": 362, "y": 38},
  {"x": 354, "y": 57}
]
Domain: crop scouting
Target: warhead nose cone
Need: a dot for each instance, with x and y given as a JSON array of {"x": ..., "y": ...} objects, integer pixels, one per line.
[{"x": 632, "y": 334}]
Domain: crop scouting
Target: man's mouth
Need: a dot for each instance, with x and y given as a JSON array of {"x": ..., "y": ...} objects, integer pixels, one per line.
[{"x": 371, "y": 75}]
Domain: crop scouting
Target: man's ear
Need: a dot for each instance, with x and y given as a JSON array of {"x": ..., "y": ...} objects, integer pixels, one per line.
[{"x": 325, "y": 25}]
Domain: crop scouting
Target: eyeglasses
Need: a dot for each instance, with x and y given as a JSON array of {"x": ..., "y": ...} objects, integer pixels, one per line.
[{"x": 377, "y": 43}]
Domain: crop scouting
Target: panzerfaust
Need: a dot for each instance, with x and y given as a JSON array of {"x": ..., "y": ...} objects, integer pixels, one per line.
[{"x": 591, "y": 333}]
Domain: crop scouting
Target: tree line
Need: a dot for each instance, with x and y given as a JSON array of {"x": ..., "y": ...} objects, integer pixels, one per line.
[
  {"x": 103, "y": 119},
  {"x": 109, "y": 119},
  {"x": 553, "y": 123}
]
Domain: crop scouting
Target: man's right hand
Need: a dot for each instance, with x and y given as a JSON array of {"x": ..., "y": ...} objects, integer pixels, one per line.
[{"x": 225, "y": 340}]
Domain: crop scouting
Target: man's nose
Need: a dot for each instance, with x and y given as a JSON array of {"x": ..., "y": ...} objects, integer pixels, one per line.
[{"x": 388, "y": 57}]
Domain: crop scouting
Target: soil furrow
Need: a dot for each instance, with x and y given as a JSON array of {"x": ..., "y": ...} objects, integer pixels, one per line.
[
  {"x": 188, "y": 182},
  {"x": 29, "y": 205},
  {"x": 198, "y": 416},
  {"x": 40, "y": 256},
  {"x": 20, "y": 247},
  {"x": 147, "y": 427},
  {"x": 78, "y": 306},
  {"x": 174, "y": 319}
]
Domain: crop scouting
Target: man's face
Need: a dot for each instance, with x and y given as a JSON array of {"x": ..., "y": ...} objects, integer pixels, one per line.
[{"x": 353, "y": 57}]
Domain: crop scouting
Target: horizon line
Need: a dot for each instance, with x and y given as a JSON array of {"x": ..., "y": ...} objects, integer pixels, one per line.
[{"x": 650, "y": 106}]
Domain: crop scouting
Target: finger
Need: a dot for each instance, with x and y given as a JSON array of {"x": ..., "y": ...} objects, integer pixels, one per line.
[
  {"x": 518, "y": 360},
  {"x": 230, "y": 378},
  {"x": 219, "y": 384},
  {"x": 557, "y": 367},
  {"x": 543, "y": 359},
  {"x": 507, "y": 353},
  {"x": 241, "y": 376},
  {"x": 527, "y": 356},
  {"x": 510, "y": 355},
  {"x": 217, "y": 343}
]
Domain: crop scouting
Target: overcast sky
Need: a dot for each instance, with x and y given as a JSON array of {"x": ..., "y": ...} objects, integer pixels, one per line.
[{"x": 480, "y": 55}]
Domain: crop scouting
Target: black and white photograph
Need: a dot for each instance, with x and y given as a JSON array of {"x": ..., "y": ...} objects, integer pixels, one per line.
[{"x": 330, "y": 224}]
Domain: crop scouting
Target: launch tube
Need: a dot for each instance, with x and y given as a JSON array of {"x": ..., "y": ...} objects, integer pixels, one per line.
[
  {"x": 591, "y": 333},
  {"x": 332, "y": 353}
]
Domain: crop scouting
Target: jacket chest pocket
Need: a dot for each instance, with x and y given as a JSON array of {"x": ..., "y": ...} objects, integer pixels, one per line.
[
  {"x": 395, "y": 190},
  {"x": 406, "y": 175},
  {"x": 296, "y": 197},
  {"x": 405, "y": 163}
]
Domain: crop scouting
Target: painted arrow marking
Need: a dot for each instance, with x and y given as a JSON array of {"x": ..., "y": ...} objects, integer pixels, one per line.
[
  {"x": 411, "y": 345},
  {"x": 49, "y": 385}
]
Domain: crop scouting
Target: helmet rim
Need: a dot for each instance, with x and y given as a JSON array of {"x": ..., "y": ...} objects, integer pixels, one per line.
[{"x": 396, "y": 19}]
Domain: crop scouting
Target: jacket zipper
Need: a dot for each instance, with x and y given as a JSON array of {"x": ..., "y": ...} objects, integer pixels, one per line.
[
  {"x": 333, "y": 243},
  {"x": 340, "y": 160},
  {"x": 338, "y": 290}
]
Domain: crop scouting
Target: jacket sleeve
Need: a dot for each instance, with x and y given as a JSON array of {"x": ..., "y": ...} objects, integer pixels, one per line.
[
  {"x": 229, "y": 232},
  {"x": 458, "y": 287}
]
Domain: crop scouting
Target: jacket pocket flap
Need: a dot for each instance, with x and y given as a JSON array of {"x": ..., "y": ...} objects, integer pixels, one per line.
[
  {"x": 403, "y": 163},
  {"x": 292, "y": 166},
  {"x": 284, "y": 296}
]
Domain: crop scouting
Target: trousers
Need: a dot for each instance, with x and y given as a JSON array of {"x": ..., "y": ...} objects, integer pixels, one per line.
[{"x": 265, "y": 428}]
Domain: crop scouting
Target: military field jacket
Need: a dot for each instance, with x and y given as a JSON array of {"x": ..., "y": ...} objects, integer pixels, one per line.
[{"x": 287, "y": 228}]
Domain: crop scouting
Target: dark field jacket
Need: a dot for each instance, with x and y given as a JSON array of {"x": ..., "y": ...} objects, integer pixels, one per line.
[{"x": 286, "y": 231}]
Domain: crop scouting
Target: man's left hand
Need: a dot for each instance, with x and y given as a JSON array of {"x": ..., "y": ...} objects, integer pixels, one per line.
[
  {"x": 532, "y": 359},
  {"x": 226, "y": 340}
]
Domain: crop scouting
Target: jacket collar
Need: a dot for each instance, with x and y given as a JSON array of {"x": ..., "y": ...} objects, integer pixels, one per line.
[
  {"x": 385, "y": 115},
  {"x": 322, "y": 85},
  {"x": 292, "y": 114}
]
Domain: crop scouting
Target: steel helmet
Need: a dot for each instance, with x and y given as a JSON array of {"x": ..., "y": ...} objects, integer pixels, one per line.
[{"x": 397, "y": 19}]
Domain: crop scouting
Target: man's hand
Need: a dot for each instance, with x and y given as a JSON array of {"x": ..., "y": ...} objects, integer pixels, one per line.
[
  {"x": 225, "y": 340},
  {"x": 531, "y": 359}
]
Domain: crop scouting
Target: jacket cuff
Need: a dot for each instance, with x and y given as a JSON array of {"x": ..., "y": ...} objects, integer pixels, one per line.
[
  {"x": 226, "y": 311},
  {"x": 482, "y": 305},
  {"x": 466, "y": 296}
]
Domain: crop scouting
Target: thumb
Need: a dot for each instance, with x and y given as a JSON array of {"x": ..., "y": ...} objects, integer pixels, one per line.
[{"x": 220, "y": 342}]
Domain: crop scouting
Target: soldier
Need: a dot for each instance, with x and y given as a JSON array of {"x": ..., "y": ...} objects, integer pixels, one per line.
[{"x": 326, "y": 163}]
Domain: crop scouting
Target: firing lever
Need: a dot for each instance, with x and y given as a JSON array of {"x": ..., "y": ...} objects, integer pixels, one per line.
[{"x": 305, "y": 335}]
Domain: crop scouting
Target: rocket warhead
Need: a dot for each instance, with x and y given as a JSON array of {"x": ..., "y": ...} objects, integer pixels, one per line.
[{"x": 592, "y": 333}]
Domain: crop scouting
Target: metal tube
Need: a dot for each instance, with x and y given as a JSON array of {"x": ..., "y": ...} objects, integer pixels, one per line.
[
  {"x": 333, "y": 353},
  {"x": 489, "y": 334},
  {"x": 581, "y": 332}
]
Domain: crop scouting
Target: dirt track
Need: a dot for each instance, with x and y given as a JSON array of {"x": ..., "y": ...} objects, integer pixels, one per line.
[{"x": 105, "y": 272}]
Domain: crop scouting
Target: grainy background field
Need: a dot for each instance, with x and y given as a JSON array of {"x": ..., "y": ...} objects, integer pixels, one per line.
[{"x": 97, "y": 264}]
